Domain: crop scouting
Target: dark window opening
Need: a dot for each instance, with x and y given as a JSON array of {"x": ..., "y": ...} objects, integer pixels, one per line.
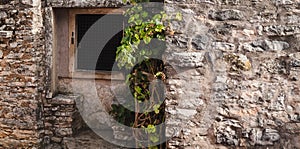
[
  {"x": 107, "y": 57},
  {"x": 95, "y": 49}
]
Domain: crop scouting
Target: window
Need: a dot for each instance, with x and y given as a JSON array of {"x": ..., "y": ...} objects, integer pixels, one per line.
[
  {"x": 94, "y": 35},
  {"x": 88, "y": 51},
  {"x": 86, "y": 40}
]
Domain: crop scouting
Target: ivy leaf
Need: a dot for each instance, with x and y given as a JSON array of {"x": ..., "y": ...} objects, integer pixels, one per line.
[
  {"x": 136, "y": 36},
  {"x": 138, "y": 89},
  {"x": 164, "y": 16},
  {"x": 178, "y": 16},
  {"x": 156, "y": 17},
  {"x": 154, "y": 139},
  {"x": 144, "y": 14},
  {"x": 136, "y": 16},
  {"x": 134, "y": 2},
  {"x": 156, "y": 108},
  {"x": 120, "y": 48},
  {"x": 128, "y": 78},
  {"x": 153, "y": 147},
  {"x": 161, "y": 37},
  {"x": 147, "y": 39},
  {"x": 137, "y": 42},
  {"x": 142, "y": 52},
  {"x": 139, "y": 8},
  {"x": 160, "y": 26},
  {"x": 138, "y": 22},
  {"x": 142, "y": 32},
  {"x": 131, "y": 19},
  {"x": 151, "y": 128}
]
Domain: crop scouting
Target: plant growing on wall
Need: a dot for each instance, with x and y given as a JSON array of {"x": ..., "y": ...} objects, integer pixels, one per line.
[{"x": 143, "y": 39}]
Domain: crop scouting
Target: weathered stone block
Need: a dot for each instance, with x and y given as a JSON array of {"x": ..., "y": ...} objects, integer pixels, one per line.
[
  {"x": 186, "y": 113},
  {"x": 223, "y": 46},
  {"x": 189, "y": 59},
  {"x": 56, "y": 139},
  {"x": 1, "y": 54},
  {"x": 180, "y": 41},
  {"x": 3, "y": 15},
  {"x": 63, "y": 131},
  {"x": 226, "y": 14},
  {"x": 64, "y": 99},
  {"x": 6, "y": 34},
  {"x": 268, "y": 45},
  {"x": 281, "y": 30},
  {"x": 201, "y": 42}
]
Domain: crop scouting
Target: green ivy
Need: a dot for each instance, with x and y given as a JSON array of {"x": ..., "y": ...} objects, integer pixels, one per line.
[
  {"x": 135, "y": 53},
  {"x": 142, "y": 28}
]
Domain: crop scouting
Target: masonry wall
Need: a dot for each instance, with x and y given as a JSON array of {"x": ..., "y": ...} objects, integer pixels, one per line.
[
  {"x": 233, "y": 68},
  {"x": 21, "y": 74},
  {"x": 234, "y": 74},
  {"x": 61, "y": 87}
]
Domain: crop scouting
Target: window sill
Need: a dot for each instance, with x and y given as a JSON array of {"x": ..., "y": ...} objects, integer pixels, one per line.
[{"x": 97, "y": 75}]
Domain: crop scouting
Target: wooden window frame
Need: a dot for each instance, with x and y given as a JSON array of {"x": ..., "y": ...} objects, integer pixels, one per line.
[{"x": 79, "y": 73}]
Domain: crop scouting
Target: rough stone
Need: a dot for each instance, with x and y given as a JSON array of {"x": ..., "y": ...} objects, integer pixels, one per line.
[
  {"x": 271, "y": 135},
  {"x": 3, "y": 15},
  {"x": 245, "y": 105},
  {"x": 226, "y": 14},
  {"x": 190, "y": 59},
  {"x": 295, "y": 63},
  {"x": 6, "y": 34},
  {"x": 186, "y": 113},
  {"x": 250, "y": 48},
  {"x": 268, "y": 45},
  {"x": 223, "y": 46},
  {"x": 13, "y": 45},
  {"x": 180, "y": 41},
  {"x": 10, "y": 21},
  {"x": 201, "y": 42},
  {"x": 280, "y": 30},
  {"x": 283, "y": 2}
]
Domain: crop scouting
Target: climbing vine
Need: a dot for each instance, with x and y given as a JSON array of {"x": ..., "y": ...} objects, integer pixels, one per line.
[
  {"x": 142, "y": 27},
  {"x": 137, "y": 48},
  {"x": 140, "y": 52}
]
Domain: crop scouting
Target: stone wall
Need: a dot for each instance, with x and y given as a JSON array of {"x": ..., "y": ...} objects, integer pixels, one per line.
[
  {"x": 62, "y": 118},
  {"x": 21, "y": 74},
  {"x": 233, "y": 68},
  {"x": 234, "y": 74}
]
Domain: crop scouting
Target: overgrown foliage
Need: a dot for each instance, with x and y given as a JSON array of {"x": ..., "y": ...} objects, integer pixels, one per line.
[
  {"x": 140, "y": 52},
  {"x": 144, "y": 24}
]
